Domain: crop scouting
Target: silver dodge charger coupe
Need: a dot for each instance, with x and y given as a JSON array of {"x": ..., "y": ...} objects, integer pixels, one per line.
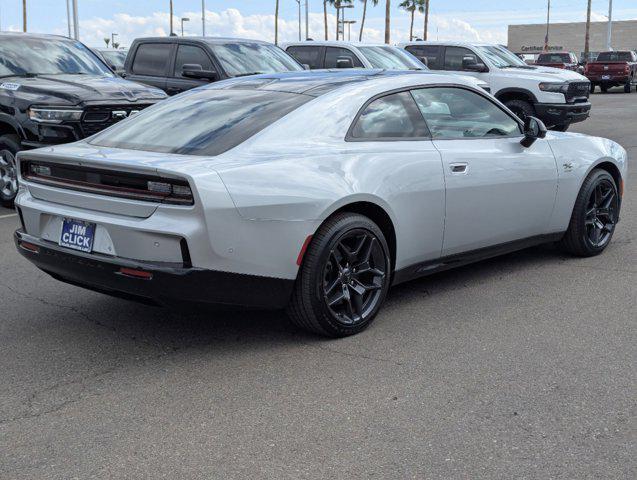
[{"x": 311, "y": 191}]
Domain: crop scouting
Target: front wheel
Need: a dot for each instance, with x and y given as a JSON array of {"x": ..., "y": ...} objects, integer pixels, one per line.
[
  {"x": 592, "y": 88},
  {"x": 594, "y": 216},
  {"x": 9, "y": 146},
  {"x": 628, "y": 86},
  {"x": 343, "y": 279},
  {"x": 521, "y": 108}
]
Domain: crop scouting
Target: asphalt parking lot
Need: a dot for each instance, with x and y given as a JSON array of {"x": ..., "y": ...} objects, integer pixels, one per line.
[{"x": 518, "y": 367}]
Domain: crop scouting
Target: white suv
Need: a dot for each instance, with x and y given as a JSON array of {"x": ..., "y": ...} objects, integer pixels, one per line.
[{"x": 558, "y": 97}]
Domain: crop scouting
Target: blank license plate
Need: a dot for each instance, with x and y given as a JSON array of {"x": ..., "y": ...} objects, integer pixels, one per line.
[
  {"x": 605, "y": 77},
  {"x": 77, "y": 235}
]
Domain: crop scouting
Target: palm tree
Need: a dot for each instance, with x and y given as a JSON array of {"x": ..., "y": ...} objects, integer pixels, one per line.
[
  {"x": 424, "y": 36},
  {"x": 587, "y": 38},
  {"x": 24, "y": 15},
  {"x": 374, "y": 3},
  {"x": 276, "y": 23},
  {"x": 412, "y": 6},
  {"x": 387, "y": 20}
]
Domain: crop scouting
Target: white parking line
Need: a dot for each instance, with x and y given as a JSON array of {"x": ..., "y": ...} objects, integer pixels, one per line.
[{"x": 8, "y": 216}]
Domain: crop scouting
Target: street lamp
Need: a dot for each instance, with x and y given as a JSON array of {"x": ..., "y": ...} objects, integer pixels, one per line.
[
  {"x": 349, "y": 29},
  {"x": 183, "y": 19},
  {"x": 341, "y": 27},
  {"x": 113, "y": 35}
]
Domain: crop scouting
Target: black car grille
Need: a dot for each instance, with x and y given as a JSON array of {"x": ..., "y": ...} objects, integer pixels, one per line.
[
  {"x": 97, "y": 118},
  {"x": 578, "y": 91}
]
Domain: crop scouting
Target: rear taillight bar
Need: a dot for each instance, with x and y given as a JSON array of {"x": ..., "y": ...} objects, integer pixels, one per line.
[{"x": 134, "y": 186}]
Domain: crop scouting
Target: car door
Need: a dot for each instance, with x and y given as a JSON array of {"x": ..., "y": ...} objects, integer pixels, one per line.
[
  {"x": 150, "y": 63},
  {"x": 311, "y": 56},
  {"x": 187, "y": 54},
  {"x": 453, "y": 62},
  {"x": 497, "y": 191}
]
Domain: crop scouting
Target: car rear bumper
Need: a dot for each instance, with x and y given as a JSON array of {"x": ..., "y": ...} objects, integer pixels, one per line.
[
  {"x": 618, "y": 79},
  {"x": 166, "y": 284},
  {"x": 562, "y": 113}
]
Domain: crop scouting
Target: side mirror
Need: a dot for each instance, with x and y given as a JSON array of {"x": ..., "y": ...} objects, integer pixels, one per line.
[
  {"x": 424, "y": 61},
  {"x": 194, "y": 70},
  {"x": 344, "y": 62},
  {"x": 470, "y": 64},
  {"x": 306, "y": 66},
  {"x": 534, "y": 128}
]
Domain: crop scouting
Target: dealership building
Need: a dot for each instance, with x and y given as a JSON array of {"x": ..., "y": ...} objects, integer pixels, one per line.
[{"x": 529, "y": 39}]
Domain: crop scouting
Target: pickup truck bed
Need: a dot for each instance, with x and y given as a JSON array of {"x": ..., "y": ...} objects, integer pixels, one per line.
[{"x": 613, "y": 69}]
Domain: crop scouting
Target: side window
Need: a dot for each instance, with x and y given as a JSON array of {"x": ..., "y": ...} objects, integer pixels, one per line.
[
  {"x": 430, "y": 52},
  {"x": 455, "y": 55},
  {"x": 332, "y": 54},
  {"x": 393, "y": 116},
  {"x": 151, "y": 59},
  {"x": 460, "y": 113},
  {"x": 307, "y": 56},
  {"x": 190, "y": 54}
]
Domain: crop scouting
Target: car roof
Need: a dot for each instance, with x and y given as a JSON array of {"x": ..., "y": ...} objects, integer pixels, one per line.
[
  {"x": 312, "y": 82},
  {"x": 333, "y": 43},
  {"x": 450, "y": 43},
  {"x": 40, "y": 36},
  {"x": 209, "y": 40}
]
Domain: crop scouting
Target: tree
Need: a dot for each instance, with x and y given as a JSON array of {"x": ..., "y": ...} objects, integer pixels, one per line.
[
  {"x": 276, "y": 23},
  {"x": 425, "y": 31},
  {"x": 331, "y": 3},
  {"x": 24, "y": 15},
  {"x": 412, "y": 6},
  {"x": 115, "y": 45},
  {"x": 374, "y": 3},
  {"x": 107, "y": 41},
  {"x": 387, "y": 20}
]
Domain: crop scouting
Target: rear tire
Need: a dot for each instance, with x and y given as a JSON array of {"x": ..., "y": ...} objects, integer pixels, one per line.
[
  {"x": 592, "y": 88},
  {"x": 343, "y": 279},
  {"x": 628, "y": 87},
  {"x": 521, "y": 108},
  {"x": 594, "y": 216},
  {"x": 603, "y": 88},
  {"x": 9, "y": 146}
]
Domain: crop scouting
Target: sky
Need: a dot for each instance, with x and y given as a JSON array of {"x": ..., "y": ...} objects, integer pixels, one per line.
[{"x": 474, "y": 20}]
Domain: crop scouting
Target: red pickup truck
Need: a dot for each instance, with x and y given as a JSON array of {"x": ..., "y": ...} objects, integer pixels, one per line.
[
  {"x": 612, "y": 69},
  {"x": 565, "y": 60}
]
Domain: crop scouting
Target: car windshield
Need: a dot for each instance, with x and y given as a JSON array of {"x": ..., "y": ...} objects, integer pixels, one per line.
[
  {"x": 116, "y": 57},
  {"x": 216, "y": 120},
  {"x": 247, "y": 58},
  {"x": 501, "y": 57},
  {"x": 614, "y": 57},
  {"x": 50, "y": 56},
  {"x": 391, "y": 58},
  {"x": 554, "y": 58}
]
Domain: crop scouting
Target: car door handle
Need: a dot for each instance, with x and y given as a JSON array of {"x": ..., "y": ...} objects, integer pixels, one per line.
[{"x": 458, "y": 168}]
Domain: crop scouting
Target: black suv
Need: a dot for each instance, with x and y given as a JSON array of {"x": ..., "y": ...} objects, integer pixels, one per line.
[
  {"x": 176, "y": 64},
  {"x": 55, "y": 90}
]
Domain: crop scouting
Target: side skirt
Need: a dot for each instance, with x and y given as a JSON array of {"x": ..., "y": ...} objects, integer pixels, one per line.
[{"x": 445, "y": 263}]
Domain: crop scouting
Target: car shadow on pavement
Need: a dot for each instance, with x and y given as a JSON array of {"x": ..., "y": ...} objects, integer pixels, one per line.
[{"x": 169, "y": 329}]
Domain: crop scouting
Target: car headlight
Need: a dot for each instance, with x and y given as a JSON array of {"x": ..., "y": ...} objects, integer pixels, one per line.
[
  {"x": 554, "y": 87},
  {"x": 54, "y": 115}
]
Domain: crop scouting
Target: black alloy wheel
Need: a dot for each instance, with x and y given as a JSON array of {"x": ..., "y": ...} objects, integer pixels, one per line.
[
  {"x": 595, "y": 216},
  {"x": 344, "y": 277},
  {"x": 601, "y": 213},
  {"x": 353, "y": 276}
]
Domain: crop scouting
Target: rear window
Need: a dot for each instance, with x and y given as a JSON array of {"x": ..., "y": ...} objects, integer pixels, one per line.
[
  {"x": 201, "y": 122},
  {"x": 307, "y": 56},
  {"x": 151, "y": 59},
  {"x": 554, "y": 58},
  {"x": 614, "y": 57}
]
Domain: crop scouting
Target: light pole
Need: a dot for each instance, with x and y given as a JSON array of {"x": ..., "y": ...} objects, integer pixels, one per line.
[
  {"x": 299, "y": 3},
  {"x": 76, "y": 26},
  {"x": 307, "y": 21},
  {"x": 183, "y": 19},
  {"x": 609, "y": 43},
  {"x": 349, "y": 28},
  {"x": 172, "y": 30},
  {"x": 341, "y": 27},
  {"x": 68, "y": 16},
  {"x": 113, "y": 35},
  {"x": 203, "y": 18}
]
